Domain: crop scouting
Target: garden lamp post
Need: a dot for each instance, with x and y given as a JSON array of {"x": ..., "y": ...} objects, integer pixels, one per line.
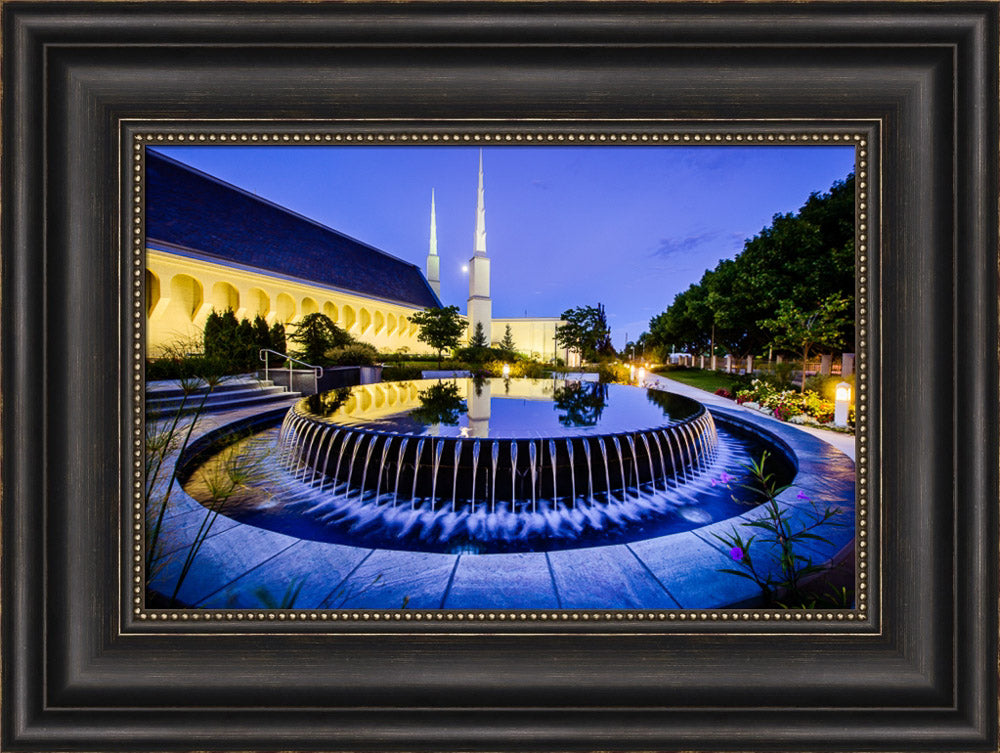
[{"x": 841, "y": 404}]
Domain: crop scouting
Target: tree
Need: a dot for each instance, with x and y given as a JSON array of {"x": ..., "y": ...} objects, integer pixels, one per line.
[
  {"x": 316, "y": 334},
  {"x": 800, "y": 257},
  {"x": 819, "y": 328},
  {"x": 586, "y": 330},
  {"x": 439, "y": 327},
  {"x": 277, "y": 337},
  {"x": 479, "y": 337},
  {"x": 507, "y": 345},
  {"x": 262, "y": 335}
]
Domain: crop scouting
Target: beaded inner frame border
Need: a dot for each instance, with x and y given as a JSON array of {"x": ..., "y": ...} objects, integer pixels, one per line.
[{"x": 135, "y": 136}]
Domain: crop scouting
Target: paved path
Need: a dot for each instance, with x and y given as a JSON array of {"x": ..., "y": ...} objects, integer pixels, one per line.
[{"x": 843, "y": 442}]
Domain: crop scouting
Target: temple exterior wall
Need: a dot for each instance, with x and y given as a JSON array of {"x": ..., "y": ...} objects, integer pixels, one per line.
[
  {"x": 535, "y": 337},
  {"x": 181, "y": 292}
]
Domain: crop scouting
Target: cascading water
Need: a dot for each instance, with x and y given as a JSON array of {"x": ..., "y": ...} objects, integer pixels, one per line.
[{"x": 631, "y": 461}]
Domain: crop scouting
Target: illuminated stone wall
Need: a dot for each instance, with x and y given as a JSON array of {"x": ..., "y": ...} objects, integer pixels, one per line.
[{"x": 182, "y": 291}]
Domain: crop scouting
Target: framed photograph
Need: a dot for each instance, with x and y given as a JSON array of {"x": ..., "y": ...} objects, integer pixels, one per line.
[{"x": 500, "y": 376}]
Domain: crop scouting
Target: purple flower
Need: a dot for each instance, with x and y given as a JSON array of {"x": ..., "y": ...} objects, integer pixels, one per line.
[
  {"x": 736, "y": 553},
  {"x": 714, "y": 482},
  {"x": 725, "y": 478},
  {"x": 802, "y": 495}
]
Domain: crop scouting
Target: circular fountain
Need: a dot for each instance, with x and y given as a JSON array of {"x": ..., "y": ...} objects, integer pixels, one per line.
[{"x": 493, "y": 465}]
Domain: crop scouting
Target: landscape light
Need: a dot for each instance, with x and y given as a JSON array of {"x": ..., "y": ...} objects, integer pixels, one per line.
[
  {"x": 841, "y": 404},
  {"x": 506, "y": 371},
  {"x": 641, "y": 375},
  {"x": 631, "y": 372}
]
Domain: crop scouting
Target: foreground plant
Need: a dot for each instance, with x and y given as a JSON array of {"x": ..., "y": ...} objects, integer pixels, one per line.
[
  {"x": 777, "y": 534},
  {"x": 237, "y": 469}
]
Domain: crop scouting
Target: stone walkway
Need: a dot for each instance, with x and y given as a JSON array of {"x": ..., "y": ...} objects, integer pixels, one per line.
[{"x": 241, "y": 566}]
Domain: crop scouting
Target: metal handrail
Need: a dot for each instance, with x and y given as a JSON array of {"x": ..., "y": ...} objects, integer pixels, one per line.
[{"x": 316, "y": 370}]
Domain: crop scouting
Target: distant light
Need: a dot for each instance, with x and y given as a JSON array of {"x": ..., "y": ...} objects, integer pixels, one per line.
[
  {"x": 506, "y": 370},
  {"x": 641, "y": 375},
  {"x": 465, "y": 267}
]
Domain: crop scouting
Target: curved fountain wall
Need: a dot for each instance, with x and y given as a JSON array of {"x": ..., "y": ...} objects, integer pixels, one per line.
[{"x": 470, "y": 474}]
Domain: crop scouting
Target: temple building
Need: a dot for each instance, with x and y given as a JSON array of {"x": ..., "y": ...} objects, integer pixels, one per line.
[{"x": 211, "y": 245}]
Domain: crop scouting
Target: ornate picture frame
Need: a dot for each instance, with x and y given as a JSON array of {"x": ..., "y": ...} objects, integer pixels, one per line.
[{"x": 86, "y": 85}]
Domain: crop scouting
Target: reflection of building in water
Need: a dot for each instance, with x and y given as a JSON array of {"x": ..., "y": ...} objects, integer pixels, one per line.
[
  {"x": 375, "y": 402},
  {"x": 211, "y": 245}
]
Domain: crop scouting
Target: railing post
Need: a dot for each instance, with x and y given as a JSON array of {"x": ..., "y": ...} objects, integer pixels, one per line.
[{"x": 291, "y": 385}]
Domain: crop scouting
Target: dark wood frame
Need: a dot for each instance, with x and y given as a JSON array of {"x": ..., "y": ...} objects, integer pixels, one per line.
[{"x": 918, "y": 675}]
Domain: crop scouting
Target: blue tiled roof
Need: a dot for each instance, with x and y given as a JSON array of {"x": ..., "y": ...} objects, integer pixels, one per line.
[{"x": 189, "y": 209}]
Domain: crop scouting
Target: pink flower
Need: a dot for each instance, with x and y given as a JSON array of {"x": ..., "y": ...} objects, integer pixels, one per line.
[
  {"x": 802, "y": 495},
  {"x": 736, "y": 553}
]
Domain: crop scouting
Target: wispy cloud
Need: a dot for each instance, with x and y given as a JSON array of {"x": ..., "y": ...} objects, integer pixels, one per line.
[{"x": 670, "y": 247}]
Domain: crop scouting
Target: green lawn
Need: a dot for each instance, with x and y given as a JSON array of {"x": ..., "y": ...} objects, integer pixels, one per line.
[{"x": 701, "y": 378}]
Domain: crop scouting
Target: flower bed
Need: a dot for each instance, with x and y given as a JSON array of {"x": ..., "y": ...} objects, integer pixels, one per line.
[{"x": 787, "y": 405}]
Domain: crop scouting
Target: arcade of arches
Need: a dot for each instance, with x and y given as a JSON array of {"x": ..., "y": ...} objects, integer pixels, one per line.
[{"x": 181, "y": 292}]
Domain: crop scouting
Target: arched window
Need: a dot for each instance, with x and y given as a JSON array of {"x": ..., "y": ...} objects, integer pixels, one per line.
[
  {"x": 285, "y": 308},
  {"x": 225, "y": 296},
  {"x": 152, "y": 292},
  {"x": 186, "y": 295},
  {"x": 379, "y": 321},
  {"x": 331, "y": 311},
  {"x": 258, "y": 303},
  {"x": 366, "y": 319},
  {"x": 349, "y": 317},
  {"x": 309, "y": 306}
]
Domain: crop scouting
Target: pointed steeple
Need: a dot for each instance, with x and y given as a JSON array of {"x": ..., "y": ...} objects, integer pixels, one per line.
[
  {"x": 480, "y": 306},
  {"x": 434, "y": 229},
  {"x": 480, "y": 247},
  {"x": 433, "y": 260}
]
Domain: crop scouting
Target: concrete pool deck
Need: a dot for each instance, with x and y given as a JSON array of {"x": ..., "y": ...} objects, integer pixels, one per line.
[{"x": 240, "y": 566}]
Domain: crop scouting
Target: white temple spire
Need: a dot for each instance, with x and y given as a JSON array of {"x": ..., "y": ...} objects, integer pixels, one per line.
[
  {"x": 480, "y": 247},
  {"x": 433, "y": 260},
  {"x": 480, "y": 305}
]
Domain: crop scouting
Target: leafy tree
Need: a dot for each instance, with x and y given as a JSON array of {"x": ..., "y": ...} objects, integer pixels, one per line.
[
  {"x": 507, "y": 345},
  {"x": 315, "y": 334},
  {"x": 439, "y": 327},
  {"x": 586, "y": 330},
  {"x": 818, "y": 328},
  {"x": 800, "y": 257}
]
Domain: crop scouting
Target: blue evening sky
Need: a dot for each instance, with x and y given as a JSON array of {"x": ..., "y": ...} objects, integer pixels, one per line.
[{"x": 626, "y": 226}]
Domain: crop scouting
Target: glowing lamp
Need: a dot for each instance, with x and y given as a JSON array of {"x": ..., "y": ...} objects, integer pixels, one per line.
[
  {"x": 841, "y": 404},
  {"x": 641, "y": 374},
  {"x": 631, "y": 373},
  {"x": 506, "y": 371}
]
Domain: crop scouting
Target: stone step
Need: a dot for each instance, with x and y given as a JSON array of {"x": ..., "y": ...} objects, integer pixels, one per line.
[
  {"x": 172, "y": 388},
  {"x": 174, "y": 401},
  {"x": 224, "y": 401}
]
